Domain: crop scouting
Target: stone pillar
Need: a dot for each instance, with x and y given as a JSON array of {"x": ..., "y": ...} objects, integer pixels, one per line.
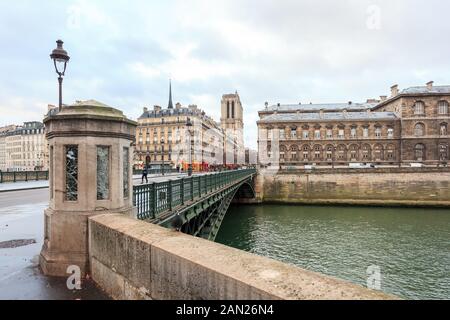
[{"x": 91, "y": 156}]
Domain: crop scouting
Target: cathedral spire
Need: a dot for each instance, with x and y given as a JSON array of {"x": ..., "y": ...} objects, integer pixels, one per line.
[{"x": 170, "y": 95}]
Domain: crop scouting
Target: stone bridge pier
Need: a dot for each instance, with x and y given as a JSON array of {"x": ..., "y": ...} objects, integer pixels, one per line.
[{"x": 91, "y": 149}]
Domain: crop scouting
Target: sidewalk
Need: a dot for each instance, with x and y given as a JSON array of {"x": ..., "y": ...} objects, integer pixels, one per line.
[
  {"x": 31, "y": 185},
  {"x": 24, "y": 185}
]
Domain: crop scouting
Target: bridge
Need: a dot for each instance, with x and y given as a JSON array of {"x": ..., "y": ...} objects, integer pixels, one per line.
[{"x": 195, "y": 205}]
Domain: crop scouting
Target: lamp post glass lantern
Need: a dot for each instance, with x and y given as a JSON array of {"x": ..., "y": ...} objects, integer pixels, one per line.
[
  {"x": 60, "y": 59},
  {"x": 189, "y": 128}
]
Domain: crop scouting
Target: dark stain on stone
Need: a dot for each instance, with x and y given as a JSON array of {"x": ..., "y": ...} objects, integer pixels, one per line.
[{"x": 16, "y": 243}]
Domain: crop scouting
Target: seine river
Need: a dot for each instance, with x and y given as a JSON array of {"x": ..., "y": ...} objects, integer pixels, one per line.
[{"x": 410, "y": 246}]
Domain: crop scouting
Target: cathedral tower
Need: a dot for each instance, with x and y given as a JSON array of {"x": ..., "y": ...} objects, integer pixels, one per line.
[{"x": 232, "y": 123}]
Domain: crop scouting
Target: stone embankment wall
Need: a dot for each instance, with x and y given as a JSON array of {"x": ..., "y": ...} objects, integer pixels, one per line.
[
  {"x": 379, "y": 187},
  {"x": 132, "y": 259}
]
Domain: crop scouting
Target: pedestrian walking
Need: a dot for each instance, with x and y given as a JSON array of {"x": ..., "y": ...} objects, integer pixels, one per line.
[{"x": 144, "y": 175}]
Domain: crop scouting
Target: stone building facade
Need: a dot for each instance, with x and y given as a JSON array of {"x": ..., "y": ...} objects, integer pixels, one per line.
[
  {"x": 408, "y": 127},
  {"x": 24, "y": 148},
  {"x": 163, "y": 137}
]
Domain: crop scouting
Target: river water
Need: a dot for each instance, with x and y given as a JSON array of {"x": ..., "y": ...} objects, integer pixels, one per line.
[{"x": 410, "y": 246}]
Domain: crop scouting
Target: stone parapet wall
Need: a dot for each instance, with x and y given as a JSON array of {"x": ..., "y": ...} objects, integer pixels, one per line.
[
  {"x": 132, "y": 259},
  {"x": 380, "y": 187}
]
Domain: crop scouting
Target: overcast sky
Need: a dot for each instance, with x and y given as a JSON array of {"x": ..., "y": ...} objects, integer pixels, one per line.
[{"x": 124, "y": 52}]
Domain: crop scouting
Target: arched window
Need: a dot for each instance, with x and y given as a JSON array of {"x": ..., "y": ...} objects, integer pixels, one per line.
[
  {"x": 228, "y": 109},
  {"x": 419, "y": 152},
  {"x": 419, "y": 107},
  {"x": 419, "y": 130},
  {"x": 443, "y": 107},
  {"x": 232, "y": 109},
  {"x": 390, "y": 152}
]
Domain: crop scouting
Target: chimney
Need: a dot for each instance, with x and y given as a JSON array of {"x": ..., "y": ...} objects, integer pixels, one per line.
[
  {"x": 430, "y": 85},
  {"x": 267, "y": 105},
  {"x": 383, "y": 98},
  {"x": 394, "y": 90},
  {"x": 156, "y": 108},
  {"x": 145, "y": 109},
  {"x": 178, "y": 106},
  {"x": 372, "y": 101}
]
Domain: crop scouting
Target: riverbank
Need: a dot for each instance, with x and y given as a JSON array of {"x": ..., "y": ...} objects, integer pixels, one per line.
[{"x": 381, "y": 187}]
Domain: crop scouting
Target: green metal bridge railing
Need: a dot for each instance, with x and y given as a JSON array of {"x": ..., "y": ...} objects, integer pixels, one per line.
[{"x": 151, "y": 200}]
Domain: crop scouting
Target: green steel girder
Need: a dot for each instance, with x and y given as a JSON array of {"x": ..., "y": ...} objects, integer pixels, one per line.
[{"x": 204, "y": 218}]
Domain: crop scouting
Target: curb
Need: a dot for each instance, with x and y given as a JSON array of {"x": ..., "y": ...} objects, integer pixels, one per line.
[{"x": 24, "y": 189}]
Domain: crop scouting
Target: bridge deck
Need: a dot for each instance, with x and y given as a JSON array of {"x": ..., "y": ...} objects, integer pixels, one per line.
[{"x": 157, "y": 200}]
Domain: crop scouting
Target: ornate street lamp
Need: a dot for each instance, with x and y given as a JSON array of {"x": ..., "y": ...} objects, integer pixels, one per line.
[
  {"x": 189, "y": 128},
  {"x": 60, "y": 59},
  {"x": 162, "y": 155}
]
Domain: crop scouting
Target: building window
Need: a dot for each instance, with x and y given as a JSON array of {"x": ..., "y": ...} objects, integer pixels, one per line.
[
  {"x": 329, "y": 134},
  {"x": 293, "y": 133},
  {"x": 378, "y": 132},
  {"x": 419, "y": 130},
  {"x": 443, "y": 107},
  {"x": 71, "y": 173},
  {"x": 390, "y": 132},
  {"x": 443, "y": 152},
  {"x": 269, "y": 134},
  {"x": 282, "y": 134},
  {"x": 443, "y": 130},
  {"x": 329, "y": 153},
  {"x": 126, "y": 172},
  {"x": 365, "y": 132},
  {"x": 341, "y": 134},
  {"x": 317, "y": 134},
  {"x": 419, "y": 108},
  {"x": 419, "y": 152},
  {"x": 353, "y": 132},
  {"x": 305, "y": 134},
  {"x": 102, "y": 173}
]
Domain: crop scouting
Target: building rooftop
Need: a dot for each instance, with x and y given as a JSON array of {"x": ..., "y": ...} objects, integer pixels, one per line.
[
  {"x": 321, "y": 106},
  {"x": 426, "y": 90},
  {"x": 329, "y": 116},
  {"x": 182, "y": 111}
]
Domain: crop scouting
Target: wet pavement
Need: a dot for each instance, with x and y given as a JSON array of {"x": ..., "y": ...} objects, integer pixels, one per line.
[{"x": 21, "y": 236}]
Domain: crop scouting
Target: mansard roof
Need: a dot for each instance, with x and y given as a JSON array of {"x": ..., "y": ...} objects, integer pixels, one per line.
[
  {"x": 329, "y": 116},
  {"x": 318, "y": 107},
  {"x": 427, "y": 90}
]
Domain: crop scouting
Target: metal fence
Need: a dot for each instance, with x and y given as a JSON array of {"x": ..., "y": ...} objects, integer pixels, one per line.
[
  {"x": 17, "y": 176},
  {"x": 155, "y": 198}
]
